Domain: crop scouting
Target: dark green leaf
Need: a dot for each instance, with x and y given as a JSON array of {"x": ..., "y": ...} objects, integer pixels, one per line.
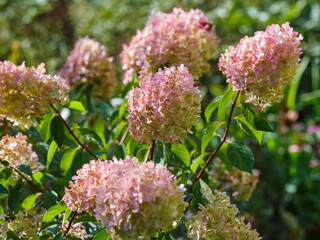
[
  {"x": 223, "y": 155},
  {"x": 211, "y": 107},
  {"x": 49, "y": 198},
  {"x": 3, "y": 190},
  {"x": 58, "y": 237},
  {"x": 240, "y": 156},
  {"x": 12, "y": 235},
  {"x": 85, "y": 218},
  {"x": 66, "y": 161},
  {"x": 25, "y": 169},
  {"x": 53, "y": 211},
  {"x": 15, "y": 196},
  {"x": 181, "y": 152},
  {"x": 261, "y": 124},
  {"x": 94, "y": 137},
  {"x": 102, "y": 235},
  {"x": 81, "y": 157},
  {"x": 45, "y": 127},
  {"x": 57, "y": 130}
]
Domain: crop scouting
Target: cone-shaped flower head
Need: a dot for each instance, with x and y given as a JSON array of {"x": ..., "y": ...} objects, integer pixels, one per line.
[
  {"x": 171, "y": 39},
  {"x": 165, "y": 107},
  {"x": 263, "y": 65},
  {"x": 89, "y": 63},
  {"x": 217, "y": 220},
  {"x": 27, "y": 92},
  {"x": 81, "y": 195},
  {"x": 139, "y": 199},
  {"x": 16, "y": 151}
]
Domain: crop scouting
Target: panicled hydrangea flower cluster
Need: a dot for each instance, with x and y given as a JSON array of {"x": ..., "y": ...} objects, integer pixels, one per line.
[
  {"x": 27, "y": 224},
  {"x": 130, "y": 197},
  {"x": 139, "y": 199},
  {"x": 171, "y": 39},
  {"x": 82, "y": 193},
  {"x": 89, "y": 63},
  {"x": 27, "y": 92},
  {"x": 16, "y": 150},
  {"x": 217, "y": 220},
  {"x": 165, "y": 107},
  {"x": 241, "y": 183},
  {"x": 263, "y": 65}
]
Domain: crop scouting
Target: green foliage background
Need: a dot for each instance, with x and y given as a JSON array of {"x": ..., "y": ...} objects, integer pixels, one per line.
[{"x": 286, "y": 203}]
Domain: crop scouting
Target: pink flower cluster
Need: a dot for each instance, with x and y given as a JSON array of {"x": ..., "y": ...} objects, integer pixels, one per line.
[
  {"x": 16, "y": 150},
  {"x": 139, "y": 199},
  {"x": 89, "y": 63},
  {"x": 81, "y": 195},
  {"x": 165, "y": 107},
  {"x": 27, "y": 92},
  {"x": 263, "y": 65},
  {"x": 171, "y": 39},
  {"x": 131, "y": 198}
]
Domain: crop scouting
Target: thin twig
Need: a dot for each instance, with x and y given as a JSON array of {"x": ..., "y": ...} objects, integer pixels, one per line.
[
  {"x": 25, "y": 178},
  {"x": 72, "y": 133},
  {"x": 222, "y": 141},
  {"x": 153, "y": 144},
  {"x": 124, "y": 137},
  {"x": 150, "y": 151},
  {"x": 70, "y": 223}
]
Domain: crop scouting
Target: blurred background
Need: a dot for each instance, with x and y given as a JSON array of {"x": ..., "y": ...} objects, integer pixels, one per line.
[{"x": 286, "y": 203}]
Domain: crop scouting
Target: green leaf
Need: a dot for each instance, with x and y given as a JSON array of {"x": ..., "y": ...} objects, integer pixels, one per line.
[
  {"x": 262, "y": 124},
  {"x": 49, "y": 198},
  {"x": 3, "y": 190},
  {"x": 131, "y": 145},
  {"x": 12, "y": 235},
  {"x": 57, "y": 130},
  {"x": 15, "y": 195},
  {"x": 37, "y": 177},
  {"x": 6, "y": 173},
  {"x": 240, "y": 156},
  {"x": 45, "y": 127},
  {"x": 58, "y": 237},
  {"x": 195, "y": 164},
  {"x": 224, "y": 102},
  {"x": 52, "y": 150},
  {"x": 81, "y": 157},
  {"x": 66, "y": 215},
  {"x": 123, "y": 108},
  {"x": 223, "y": 155},
  {"x": 211, "y": 107},
  {"x": 53, "y": 211},
  {"x": 85, "y": 218},
  {"x": 29, "y": 201},
  {"x": 255, "y": 119},
  {"x": 207, "y": 135},
  {"x": 293, "y": 90},
  {"x": 248, "y": 129},
  {"x": 181, "y": 152},
  {"x": 66, "y": 161},
  {"x": 102, "y": 235},
  {"x": 94, "y": 137},
  {"x": 77, "y": 106},
  {"x": 25, "y": 169}
]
